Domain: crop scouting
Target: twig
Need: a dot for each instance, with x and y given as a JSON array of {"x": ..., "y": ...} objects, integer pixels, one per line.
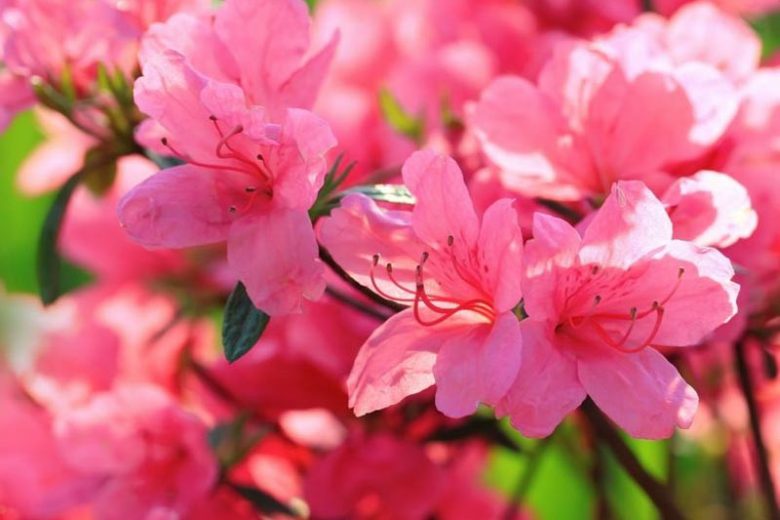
[
  {"x": 355, "y": 304},
  {"x": 762, "y": 456},
  {"x": 526, "y": 479},
  {"x": 655, "y": 490},
  {"x": 331, "y": 262}
]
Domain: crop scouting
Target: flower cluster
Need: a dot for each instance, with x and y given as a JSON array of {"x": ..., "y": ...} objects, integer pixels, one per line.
[{"x": 430, "y": 231}]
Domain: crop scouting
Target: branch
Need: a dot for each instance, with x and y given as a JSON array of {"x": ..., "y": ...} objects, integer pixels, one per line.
[
  {"x": 355, "y": 304},
  {"x": 762, "y": 457},
  {"x": 655, "y": 490}
]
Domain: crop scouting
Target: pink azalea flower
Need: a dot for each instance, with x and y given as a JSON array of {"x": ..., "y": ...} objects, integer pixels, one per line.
[
  {"x": 461, "y": 277},
  {"x": 598, "y": 306},
  {"x": 624, "y": 106},
  {"x": 147, "y": 12},
  {"x": 376, "y": 476},
  {"x": 248, "y": 182},
  {"x": 42, "y": 37},
  {"x": 220, "y": 47},
  {"x": 149, "y": 454}
]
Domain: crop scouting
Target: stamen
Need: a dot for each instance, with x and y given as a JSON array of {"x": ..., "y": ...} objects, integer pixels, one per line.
[{"x": 193, "y": 162}]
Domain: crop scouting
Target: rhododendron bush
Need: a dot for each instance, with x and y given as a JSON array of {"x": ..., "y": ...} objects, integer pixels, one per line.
[{"x": 389, "y": 259}]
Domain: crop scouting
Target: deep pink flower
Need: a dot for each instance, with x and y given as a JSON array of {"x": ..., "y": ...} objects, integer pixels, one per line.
[
  {"x": 376, "y": 476},
  {"x": 248, "y": 181},
  {"x": 598, "y": 306},
  {"x": 459, "y": 274},
  {"x": 149, "y": 455}
]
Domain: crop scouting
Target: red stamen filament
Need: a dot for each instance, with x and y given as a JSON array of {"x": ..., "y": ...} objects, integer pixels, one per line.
[
  {"x": 594, "y": 320},
  {"x": 479, "y": 306}
]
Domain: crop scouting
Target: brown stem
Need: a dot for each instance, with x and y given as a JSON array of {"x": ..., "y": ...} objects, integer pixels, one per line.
[
  {"x": 355, "y": 304},
  {"x": 655, "y": 490},
  {"x": 762, "y": 456},
  {"x": 331, "y": 262}
]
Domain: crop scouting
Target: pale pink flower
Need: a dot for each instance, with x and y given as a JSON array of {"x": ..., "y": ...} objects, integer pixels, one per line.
[
  {"x": 15, "y": 96},
  {"x": 149, "y": 454},
  {"x": 598, "y": 307},
  {"x": 147, "y": 12},
  {"x": 710, "y": 209},
  {"x": 461, "y": 278},
  {"x": 622, "y": 106},
  {"x": 272, "y": 63},
  {"x": 248, "y": 182}
]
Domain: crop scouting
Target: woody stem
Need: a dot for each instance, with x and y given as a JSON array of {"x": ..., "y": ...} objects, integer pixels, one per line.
[
  {"x": 654, "y": 489},
  {"x": 761, "y": 454}
]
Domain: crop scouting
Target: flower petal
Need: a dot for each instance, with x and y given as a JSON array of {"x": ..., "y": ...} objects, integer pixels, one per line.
[
  {"x": 641, "y": 392},
  {"x": 477, "y": 365},
  {"x": 360, "y": 229},
  {"x": 182, "y": 206},
  {"x": 395, "y": 362},
  {"x": 444, "y": 207},
  {"x": 275, "y": 254},
  {"x": 546, "y": 388},
  {"x": 501, "y": 254},
  {"x": 631, "y": 223}
]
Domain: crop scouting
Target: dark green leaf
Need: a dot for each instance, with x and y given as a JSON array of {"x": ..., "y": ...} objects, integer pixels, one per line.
[
  {"x": 400, "y": 120},
  {"x": 264, "y": 502},
  {"x": 48, "y": 258},
  {"x": 395, "y": 193},
  {"x": 243, "y": 325}
]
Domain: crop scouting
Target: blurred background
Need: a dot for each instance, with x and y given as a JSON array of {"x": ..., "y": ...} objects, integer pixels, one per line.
[{"x": 562, "y": 485}]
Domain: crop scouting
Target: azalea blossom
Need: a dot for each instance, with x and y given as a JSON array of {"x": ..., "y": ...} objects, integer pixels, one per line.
[
  {"x": 460, "y": 275},
  {"x": 633, "y": 104},
  {"x": 247, "y": 181},
  {"x": 600, "y": 305}
]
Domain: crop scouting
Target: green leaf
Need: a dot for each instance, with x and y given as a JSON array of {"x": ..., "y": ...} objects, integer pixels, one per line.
[
  {"x": 395, "y": 193},
  {"x": 232, "y": 441},
  {"x": 243, "y": 324},
  {"x": 333, "y": 179},
  {"x": 49, "y": 261},
  {"x": 400, "y": 120},
  {"x": 264, "y": 502}
]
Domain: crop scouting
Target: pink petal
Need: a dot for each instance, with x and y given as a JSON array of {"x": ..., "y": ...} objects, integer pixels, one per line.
[
  {"x": 710, "y": 209},
  {"x": 275, "y": 254},
  {"x": 639, "y": 125},
  {"x": 299, "y": 161},
  {"x": 631, "y": 223},
  {"x": 359, "y": 229},
  {"x": 533, "y": 162},
  {"x": 736, "y": 51},
  {"x": 444, "y": 207},
  {"x": 395, "y": 362},
  {"x": 643, "y": 393},
  {"x": 270, "y": 51},
  {"x": 477, "y": 364},
  {"x": 501, "y": 251},
  {"x": 554, "y": 246},
  {"x": 169, "y": 92},
  {"x": 181, "y": 207},
  {"x": 301, "y": 89},
  {"x": 705, "y": 298},
  {"x": 546, "y": 388}
]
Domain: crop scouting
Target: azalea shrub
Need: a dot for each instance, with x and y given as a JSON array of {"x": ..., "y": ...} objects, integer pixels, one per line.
[{"x": 397, "y": 259}]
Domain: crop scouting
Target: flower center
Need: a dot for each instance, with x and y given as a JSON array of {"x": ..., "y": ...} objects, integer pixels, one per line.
[
  {"x": 231, "y": 159},
  {"x": 442, "y": 307},
  {"x": 597, "y": 321}
]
